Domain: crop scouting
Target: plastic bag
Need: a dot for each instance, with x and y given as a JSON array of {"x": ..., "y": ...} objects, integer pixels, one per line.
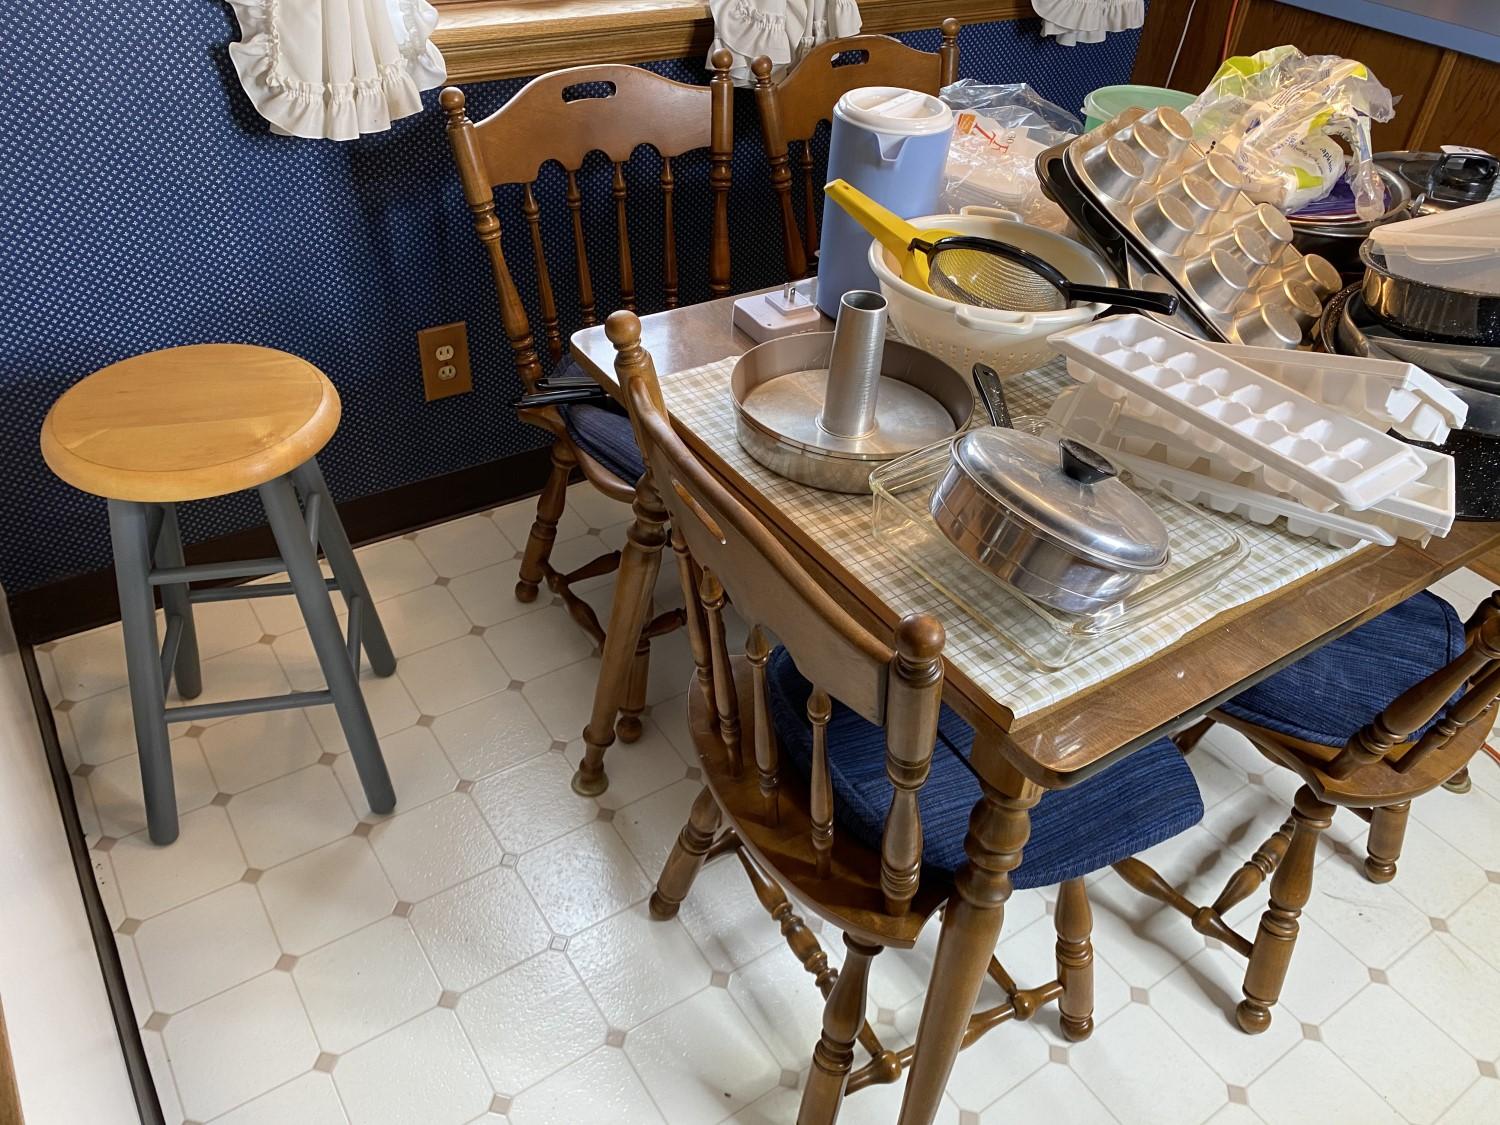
[
  {"x": 1296, "y": 124},
  {"x": 998, "y": 132}
]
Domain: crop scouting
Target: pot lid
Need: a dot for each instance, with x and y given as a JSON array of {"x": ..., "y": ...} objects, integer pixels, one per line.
[
  {"x": 1068, "y": 493},
  {"x": 895, "y": 111}
]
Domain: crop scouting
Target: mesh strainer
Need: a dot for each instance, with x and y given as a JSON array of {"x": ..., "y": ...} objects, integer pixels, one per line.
[{"x": 997, "y": 275}]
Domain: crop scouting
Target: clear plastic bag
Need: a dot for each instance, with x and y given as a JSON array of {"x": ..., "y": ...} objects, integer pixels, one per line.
[
  {"x": 1296, "y": 124},
  {"x": 992, "y": 161}
]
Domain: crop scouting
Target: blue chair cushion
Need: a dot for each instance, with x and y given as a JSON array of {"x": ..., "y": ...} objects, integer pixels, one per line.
[
  {"x": 1144, "y": 799},
  {"x": 602, "y": 431},
  {"x": 1328, "y": 695}
]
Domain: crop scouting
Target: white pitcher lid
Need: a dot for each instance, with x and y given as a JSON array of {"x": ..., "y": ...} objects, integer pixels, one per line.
[{"x": 895, "y": 110}]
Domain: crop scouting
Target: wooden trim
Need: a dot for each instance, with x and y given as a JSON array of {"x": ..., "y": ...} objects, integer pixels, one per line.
[
  {"x": 85, "y": 601},
  {"x": 519, "y": 38},
  {"x": 10, "y": 1095},
  {"x": 1432, "y": 100}
]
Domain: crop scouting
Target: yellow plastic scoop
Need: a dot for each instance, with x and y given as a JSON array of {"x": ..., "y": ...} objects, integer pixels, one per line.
[{"x": 892, "y": 231}]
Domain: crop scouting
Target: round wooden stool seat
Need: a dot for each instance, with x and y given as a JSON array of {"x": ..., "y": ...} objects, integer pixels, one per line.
[{"x": 189, "y": 423}]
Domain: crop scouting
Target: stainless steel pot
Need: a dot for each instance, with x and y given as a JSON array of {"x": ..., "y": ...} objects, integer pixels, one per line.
[
  {"x": 1427, "y": 312},
  {"x": 1338, "y": 239},
  {"x": 1048, "y": 518}
]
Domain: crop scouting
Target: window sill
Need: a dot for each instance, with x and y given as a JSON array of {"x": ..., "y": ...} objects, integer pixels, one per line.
[{"x": 515, "y": 38}]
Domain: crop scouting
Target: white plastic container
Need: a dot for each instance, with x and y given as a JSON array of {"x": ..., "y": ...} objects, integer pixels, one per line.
[
  {"x": 892, "y": 144},
  {"x": 962, "y": 335},
  {"x": 1457, "y": 249},
  {"x": 1195, "y": 389}
]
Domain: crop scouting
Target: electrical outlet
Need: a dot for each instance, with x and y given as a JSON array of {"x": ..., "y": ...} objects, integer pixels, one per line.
[{"x": 445, "y": 360}]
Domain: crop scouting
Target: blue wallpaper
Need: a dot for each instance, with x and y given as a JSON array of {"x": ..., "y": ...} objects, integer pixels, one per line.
[{"x": 144, "y": 204}]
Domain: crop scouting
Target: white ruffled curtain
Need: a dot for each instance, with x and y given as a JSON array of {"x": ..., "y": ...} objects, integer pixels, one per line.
[
  {"x": 782, "y": 30},
  {"x": 1088, "y": 21},
  {"x": 336, "y": 68}
]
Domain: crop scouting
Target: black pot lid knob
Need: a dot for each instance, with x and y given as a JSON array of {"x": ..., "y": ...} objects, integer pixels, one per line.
[{"x": 1083, "y": 464}]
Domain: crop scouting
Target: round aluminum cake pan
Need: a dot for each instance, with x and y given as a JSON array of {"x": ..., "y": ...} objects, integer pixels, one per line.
[{"x": 796, "y": 448}]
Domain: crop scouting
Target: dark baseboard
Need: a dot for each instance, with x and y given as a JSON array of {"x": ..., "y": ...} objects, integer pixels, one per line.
[
  {"x": 137, "y": 1068},
  {"x": 85, "y": 601}
]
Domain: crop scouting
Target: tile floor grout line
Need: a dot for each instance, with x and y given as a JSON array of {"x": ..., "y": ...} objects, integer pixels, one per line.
[{"x": 1338, "y": 853}]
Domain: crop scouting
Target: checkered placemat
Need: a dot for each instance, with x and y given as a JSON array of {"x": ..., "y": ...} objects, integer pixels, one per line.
[{"x": 700, "y": 399}]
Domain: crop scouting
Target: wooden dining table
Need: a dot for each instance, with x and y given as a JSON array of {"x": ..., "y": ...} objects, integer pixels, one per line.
[{"x": 1017, "y": 757}]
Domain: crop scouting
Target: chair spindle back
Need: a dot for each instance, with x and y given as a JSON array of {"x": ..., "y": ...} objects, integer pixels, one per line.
[
  {"x": 1475, "y": 673},
  {"x": 732, "y": 550},
  {"x": 791, "y": 109},
  {"x": 560, "y": 117}
]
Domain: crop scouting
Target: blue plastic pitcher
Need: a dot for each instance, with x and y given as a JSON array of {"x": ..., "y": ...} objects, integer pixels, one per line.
[{"x": 892, "y": 144}]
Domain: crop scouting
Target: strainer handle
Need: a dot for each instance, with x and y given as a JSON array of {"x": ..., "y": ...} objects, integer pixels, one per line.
[{"x": 1165, "y": 303}]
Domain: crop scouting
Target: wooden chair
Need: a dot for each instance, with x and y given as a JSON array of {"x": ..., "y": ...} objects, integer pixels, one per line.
[
  {"x": 615, "y": 110},
  {"x": 853, "y": 786},
  {"x": 1368, "y": 722},
  {"x": 791, "y": 109}
]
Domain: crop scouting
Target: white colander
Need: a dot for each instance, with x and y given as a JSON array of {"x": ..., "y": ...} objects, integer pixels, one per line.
[{"x": 962, "y": 335}]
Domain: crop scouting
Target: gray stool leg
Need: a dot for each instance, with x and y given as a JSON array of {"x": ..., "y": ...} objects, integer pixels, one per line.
[
  {"x": 335, "y": 543},
  {"x": 339, "y": 671},
  {"x": 130, "y": 527},
  {"x": 187, "y": 672}
]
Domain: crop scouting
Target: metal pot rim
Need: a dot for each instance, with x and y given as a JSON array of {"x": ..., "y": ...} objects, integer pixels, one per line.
[{"x": 1080, "y": 550}]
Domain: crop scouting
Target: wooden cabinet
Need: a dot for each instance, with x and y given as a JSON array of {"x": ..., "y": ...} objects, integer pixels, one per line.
[{"x": 1445, "y": 97}]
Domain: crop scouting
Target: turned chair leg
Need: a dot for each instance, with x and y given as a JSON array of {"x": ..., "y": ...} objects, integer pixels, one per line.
[
  {"x": 549, "y": 509},
  {"x": 686, "y": 860},
  {"x": 1187, "y": 740},
  {"x": 1074, "y": 922},
  {"x": 833, "y": 1057},
  {"x": 1387, "y": 832},
  {"x": 1460, "y": 782},
  {"x": 628, "y": 726},
  {"x": 1290, "y": 888}
]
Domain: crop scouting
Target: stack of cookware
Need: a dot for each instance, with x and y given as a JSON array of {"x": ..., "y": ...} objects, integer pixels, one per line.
[{"x": 1431, "y": 296}]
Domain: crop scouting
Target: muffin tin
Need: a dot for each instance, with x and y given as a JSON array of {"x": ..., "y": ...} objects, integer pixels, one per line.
[
  {"x": 1185, "y": 212},
  {"x": 1220, "y": 406},
  {"x": 1417, "y": 510}
]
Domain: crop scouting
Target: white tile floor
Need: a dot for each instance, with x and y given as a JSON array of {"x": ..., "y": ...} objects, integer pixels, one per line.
[{"x": 485, "y": 954}]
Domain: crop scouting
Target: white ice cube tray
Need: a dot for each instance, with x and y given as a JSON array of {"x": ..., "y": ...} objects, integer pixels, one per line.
[
  {"x": 1195, "y": 391},
  {"x": 1255, "y": 506},
  {"x": 1417, "y": 510},
  {"x": 1380, "y": 392}
]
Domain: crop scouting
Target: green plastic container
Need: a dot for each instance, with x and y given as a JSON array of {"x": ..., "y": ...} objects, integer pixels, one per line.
[{"x": 1107, "y": 101}]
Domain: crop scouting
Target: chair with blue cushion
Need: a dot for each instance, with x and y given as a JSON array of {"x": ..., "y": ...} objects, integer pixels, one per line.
[
  {"x": 832, "y": 769},
  {"x": 1381, "y": 715},
  {"x": 562, "y": 118}
]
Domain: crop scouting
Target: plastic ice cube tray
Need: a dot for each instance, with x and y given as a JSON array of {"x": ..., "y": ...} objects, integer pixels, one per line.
[
  {"x": 1417, "y": 510},
  {"x": 1193, "y": 388},
  {"x": 1257, "y": 507},
  {"x": 1380, "y": 392}
]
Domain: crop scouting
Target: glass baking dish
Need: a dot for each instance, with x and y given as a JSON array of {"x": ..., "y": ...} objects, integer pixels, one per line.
[{"x": 1204, "y": 548}]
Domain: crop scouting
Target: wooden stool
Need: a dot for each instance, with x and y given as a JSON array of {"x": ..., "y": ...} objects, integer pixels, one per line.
[{"x": 191, "y": 423}]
